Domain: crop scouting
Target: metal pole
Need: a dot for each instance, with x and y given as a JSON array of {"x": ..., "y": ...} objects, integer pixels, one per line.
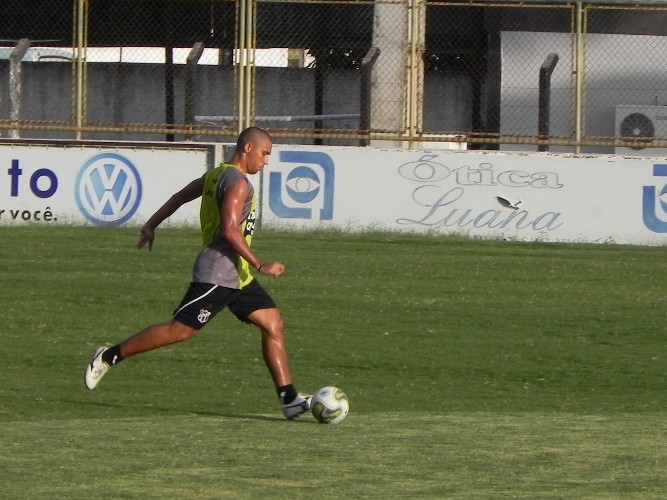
[
  {"x": 365, "y": 97},
  {"x": 169, "y": 69},
  {"x": 413, "y": 70},
  {"x": 191, "y": 84},
  {"x": 250, "y": 61},
  {"x": 241, "y": 65},
  {"x": 79, "y": 91},
  {"x": 544, "y": 99},
  {"x": 578, "y": 76},
  {"x": 15, "y": 78}
]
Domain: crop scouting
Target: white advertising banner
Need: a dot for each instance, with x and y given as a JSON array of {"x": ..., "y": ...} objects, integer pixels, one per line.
[
  {"x": 95, "y": 184},
  {"x": 526, "y": 196},
  {"x": 515, "y": 196}
]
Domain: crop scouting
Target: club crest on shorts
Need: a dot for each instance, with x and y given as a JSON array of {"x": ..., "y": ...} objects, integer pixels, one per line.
[{"x": 203, "y": 315}]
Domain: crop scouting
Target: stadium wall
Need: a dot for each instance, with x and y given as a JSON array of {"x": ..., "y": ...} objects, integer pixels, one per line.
[
  {"x": 514, "y": 196},
  {"x": 134, "y": 93}
]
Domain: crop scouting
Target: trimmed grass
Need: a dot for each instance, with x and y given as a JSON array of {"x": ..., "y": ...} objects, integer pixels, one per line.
[
  {"x": 459, "y": 455},
  {"x": 475, "y": 369}
]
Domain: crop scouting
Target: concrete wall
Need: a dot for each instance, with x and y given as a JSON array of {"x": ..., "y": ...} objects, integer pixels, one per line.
[{"x": 135, "y": 93}]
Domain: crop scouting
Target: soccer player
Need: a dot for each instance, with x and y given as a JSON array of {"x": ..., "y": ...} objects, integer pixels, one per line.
[{"x": 221, "y": 274}]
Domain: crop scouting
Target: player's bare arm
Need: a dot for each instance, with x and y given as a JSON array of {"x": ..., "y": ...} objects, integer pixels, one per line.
[
  {"x": 190, "y": 192},
  {"x": 230, "y": 224}
]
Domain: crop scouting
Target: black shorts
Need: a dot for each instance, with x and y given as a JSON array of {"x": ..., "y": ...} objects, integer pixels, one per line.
[{"x": 203, "y": 301}]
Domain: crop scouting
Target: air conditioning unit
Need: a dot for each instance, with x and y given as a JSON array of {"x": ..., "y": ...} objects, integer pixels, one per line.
[{"x": 643, "y": 123}]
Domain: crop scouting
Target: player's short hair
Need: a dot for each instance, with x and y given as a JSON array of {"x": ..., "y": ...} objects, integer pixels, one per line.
[{"x": 252, "y": 135}]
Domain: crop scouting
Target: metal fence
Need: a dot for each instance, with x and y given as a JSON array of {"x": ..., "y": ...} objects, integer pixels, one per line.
[{"x": 565, "y": 76}]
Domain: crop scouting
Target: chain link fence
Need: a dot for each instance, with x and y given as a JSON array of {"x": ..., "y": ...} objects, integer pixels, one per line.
[{"x": 531, "y": 75}]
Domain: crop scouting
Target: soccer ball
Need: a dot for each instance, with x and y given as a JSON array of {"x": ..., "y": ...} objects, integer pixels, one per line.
[{"x": 329, "y": 405}]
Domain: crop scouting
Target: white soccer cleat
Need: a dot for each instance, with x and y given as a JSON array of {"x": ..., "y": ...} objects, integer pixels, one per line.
[
  {"x": 300, "y": 405},
  {"x": 96, "y": 369}
]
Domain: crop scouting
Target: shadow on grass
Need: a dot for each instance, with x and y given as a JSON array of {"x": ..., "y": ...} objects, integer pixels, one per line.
[{"x": 181, "y": 411}]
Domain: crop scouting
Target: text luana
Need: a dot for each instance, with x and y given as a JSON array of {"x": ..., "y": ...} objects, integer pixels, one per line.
[{"x": 438, "y": 212}]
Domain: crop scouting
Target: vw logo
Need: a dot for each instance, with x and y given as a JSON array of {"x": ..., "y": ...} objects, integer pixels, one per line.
[{"x": 108, "y": 189}]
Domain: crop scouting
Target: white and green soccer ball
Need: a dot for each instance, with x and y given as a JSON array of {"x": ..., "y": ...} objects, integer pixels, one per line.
[{"x": 329, "y": 405}]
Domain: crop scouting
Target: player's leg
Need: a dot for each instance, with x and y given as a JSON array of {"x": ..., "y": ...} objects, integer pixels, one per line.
[
  {"x": 274, "y": 351},
  {"x": 201, "y": 303},
  {"x": 156, "y": 336},
  {"x": 151, "y": 337},
  {"x": 254, "y": 305}
]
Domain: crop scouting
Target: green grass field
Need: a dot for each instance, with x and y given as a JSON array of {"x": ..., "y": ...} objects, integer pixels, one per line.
[{"x": 474, "y": 369}]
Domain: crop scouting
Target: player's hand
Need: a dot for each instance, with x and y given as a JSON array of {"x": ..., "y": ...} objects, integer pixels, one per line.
[
  {"x": 272, "y": 268},
  {"x": 147, "y": 236}
]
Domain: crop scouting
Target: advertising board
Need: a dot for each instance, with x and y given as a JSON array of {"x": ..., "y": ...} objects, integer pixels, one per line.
[
  {"x": 99, "y": 184},
  {"x": 515, "y": 196},
  {"x": 512, "y": 196}
]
